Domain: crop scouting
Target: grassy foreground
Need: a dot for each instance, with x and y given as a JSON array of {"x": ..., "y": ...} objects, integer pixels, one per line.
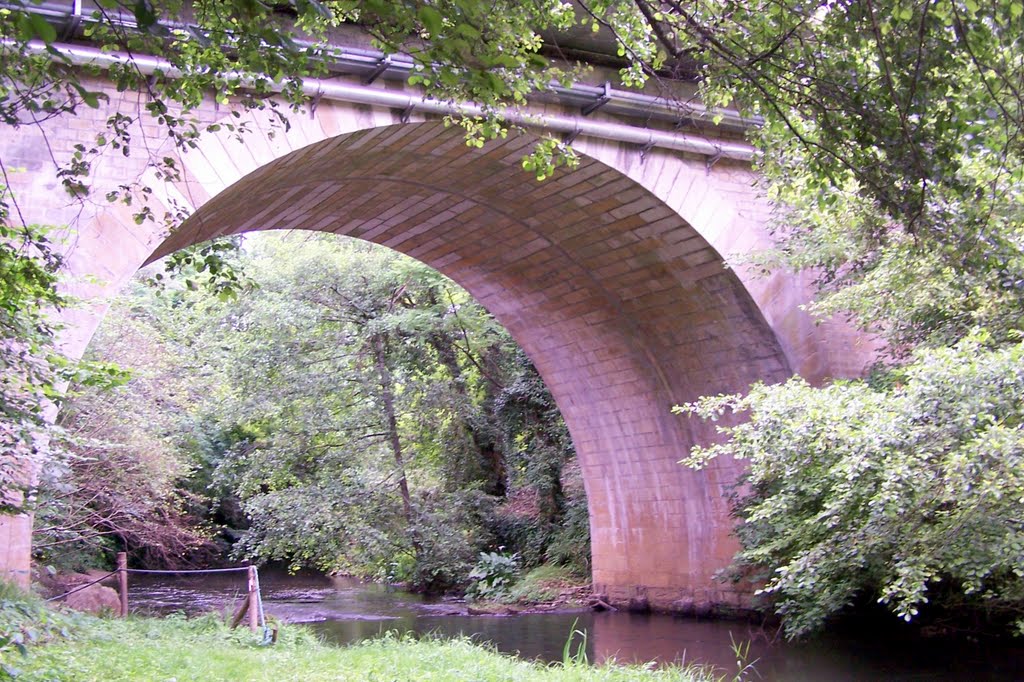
[{"x": 203, "y": 650}]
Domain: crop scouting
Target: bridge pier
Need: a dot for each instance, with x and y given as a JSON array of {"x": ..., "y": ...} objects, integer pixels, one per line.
[{"x": 16, "y": 549}]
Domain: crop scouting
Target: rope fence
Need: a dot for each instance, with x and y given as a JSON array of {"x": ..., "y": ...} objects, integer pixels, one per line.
[
  {"x": 251, "y": 604},
  {"x": 188, "y": 570}
]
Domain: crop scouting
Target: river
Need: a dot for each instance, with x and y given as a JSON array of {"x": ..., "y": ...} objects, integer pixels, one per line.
[{"x": 345, "y": 611}]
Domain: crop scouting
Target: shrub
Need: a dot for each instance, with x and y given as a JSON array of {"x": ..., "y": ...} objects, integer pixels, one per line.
[
  {"x": 910, "y": 493},
  {"x": 493, "y": 575},
  {"x": 26, "y": 620}
]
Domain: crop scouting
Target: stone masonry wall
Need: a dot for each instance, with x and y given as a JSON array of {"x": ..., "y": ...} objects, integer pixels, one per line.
[{"x": 611, "y": 276}]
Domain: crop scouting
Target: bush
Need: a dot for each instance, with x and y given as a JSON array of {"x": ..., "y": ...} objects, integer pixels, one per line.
[
  {"x": 493, "y": 575},
  {"x": 26, "y": 620},
  {"x": 910, "y": 493},
  {"x": 525, "y": 536},
  {"x": 450, "y": 533}
]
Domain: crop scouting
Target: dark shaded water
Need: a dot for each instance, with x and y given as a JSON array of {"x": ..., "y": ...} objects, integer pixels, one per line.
[{"x": 345, "y": 611}]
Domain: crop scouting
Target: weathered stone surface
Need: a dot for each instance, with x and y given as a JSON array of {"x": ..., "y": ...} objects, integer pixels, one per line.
[
  {"x": 639, "y": 605},
  {"x": 95, "y": 599},
  {"x": 612, "y": 277},
  {"x": 684, "y": 607}
]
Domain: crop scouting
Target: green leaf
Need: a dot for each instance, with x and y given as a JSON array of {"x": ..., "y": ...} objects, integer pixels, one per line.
[
  {"x": 41, "y": 28},
  {"x": 468, "y": 31},
  {"x": 431, "y": 20},
  {"x": 145, "y": 17}
]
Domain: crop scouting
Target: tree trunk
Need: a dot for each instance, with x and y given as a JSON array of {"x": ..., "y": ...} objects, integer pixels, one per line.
[{"x": 387, "y": 394}]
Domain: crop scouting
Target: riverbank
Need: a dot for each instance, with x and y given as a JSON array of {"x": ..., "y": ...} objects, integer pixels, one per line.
[
  {"x": 545, "y": 589},
  {"x": 157, "y": 650},
  {"x": 352, "y": 613}
]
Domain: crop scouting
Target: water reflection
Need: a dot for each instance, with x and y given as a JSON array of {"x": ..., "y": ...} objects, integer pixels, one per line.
[
  {"x": 345, "y": 611},
  {"x": 637, "y": 638}
]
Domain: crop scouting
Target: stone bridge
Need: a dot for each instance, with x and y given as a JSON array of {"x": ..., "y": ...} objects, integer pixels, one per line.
[{"x": 622, "y": 279}]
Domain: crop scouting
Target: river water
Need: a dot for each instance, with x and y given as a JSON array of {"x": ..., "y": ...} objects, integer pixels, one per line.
[{"x": 345, "y": 611}]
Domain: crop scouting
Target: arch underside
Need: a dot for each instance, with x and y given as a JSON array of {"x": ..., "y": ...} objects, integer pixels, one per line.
[{"x": 624, "y": 308}]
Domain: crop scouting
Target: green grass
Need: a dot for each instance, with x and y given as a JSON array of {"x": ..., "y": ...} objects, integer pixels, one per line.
[
  {"x": 544, "y": 583},
  {"x": 203, "y": 650}
]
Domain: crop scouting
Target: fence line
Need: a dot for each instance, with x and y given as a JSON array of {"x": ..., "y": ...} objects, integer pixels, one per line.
[
  {"x": 189, "y": 570},
  {"x": 253, "y": 601}
]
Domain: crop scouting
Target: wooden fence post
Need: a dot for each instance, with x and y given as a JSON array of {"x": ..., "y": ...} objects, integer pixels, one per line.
[
  {"x": 254, "y": 609},
  {"x": 122, "y": 582},
  {"x": 243, "y": 608}
]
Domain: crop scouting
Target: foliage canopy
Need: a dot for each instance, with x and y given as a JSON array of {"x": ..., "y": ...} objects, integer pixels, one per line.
[{"x": 356, "y": 411}]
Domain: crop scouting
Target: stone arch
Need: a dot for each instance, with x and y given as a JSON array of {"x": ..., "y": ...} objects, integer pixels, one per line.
[
  {"x": 623, "y": 306},
  {"x": 610, "y": 276}
]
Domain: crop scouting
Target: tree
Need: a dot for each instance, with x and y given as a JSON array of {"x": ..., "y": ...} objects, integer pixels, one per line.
[
  {"x": 891, "y": 142},
  {"x": 542, "y": 464},
  {"x": 125, "y": 447},
  {"x": 250, "y": 54},
  {"x": 254, "y": 55},
  {"x": 374, "y": 416},
  {"x": 909, "y": 494},
  {"x": 30, "y": 373},
  {"x": 238, "y": 51},
  {"x": 876, "y": 160}
]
